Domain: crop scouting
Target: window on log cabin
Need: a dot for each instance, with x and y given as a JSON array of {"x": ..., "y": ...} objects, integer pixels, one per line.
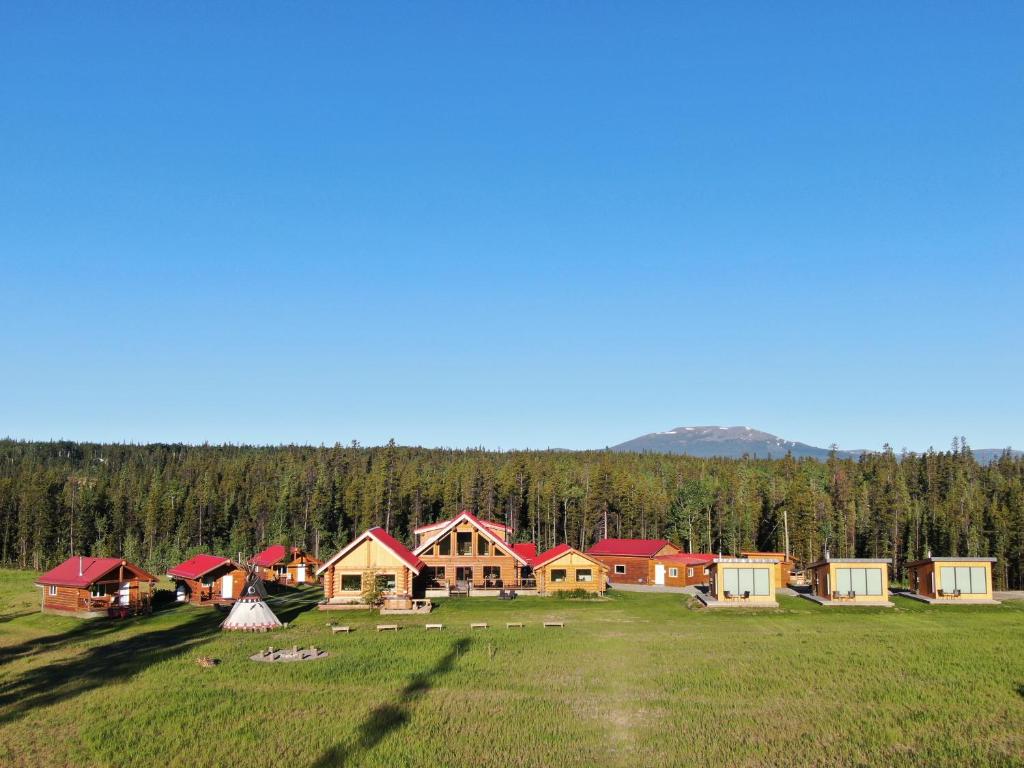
[
  {"x": 483, "y": 546},
  {"x": 557, "y": 575},
  {"x": 444, "y": 546},
  {"x": 689, "y": 572},
  {"x": 673, "y": 572},
  {"x": 351, "y": 582},
  {"x": 98, "y": 590},
  {"x": 437, "y": 573},
  {"x": 620, "y": 569},
  {"x": 386, "y": 581},
  {"x": 492, "y": 573},
  {"x": 53, "y": 590},
  {"x": 584, "y": 574},
  {"x": 464, "y": 543}
]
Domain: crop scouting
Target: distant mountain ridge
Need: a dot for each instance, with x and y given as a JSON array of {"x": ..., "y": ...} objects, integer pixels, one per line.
[{"x": 736, "y": 442}]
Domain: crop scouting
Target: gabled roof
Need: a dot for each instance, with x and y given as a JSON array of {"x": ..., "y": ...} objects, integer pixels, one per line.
[
  {"x": 80, "y": 571},
  {"x": 526, "y": 549},
  {"x": 556, "y": 552},
  {"x": 269, "y": 556},
  {"x": 387, "y": 541},
  {"x": 629, "y": 547},
  {"x": 442, "y": 523},
  {"x": 687, "y": 558},
  {"x": 199, "y": 566},
  {"x": 482, "y": 527}
]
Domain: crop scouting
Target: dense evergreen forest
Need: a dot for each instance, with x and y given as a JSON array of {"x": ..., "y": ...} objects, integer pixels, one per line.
[{"x": 157, "y": 504}]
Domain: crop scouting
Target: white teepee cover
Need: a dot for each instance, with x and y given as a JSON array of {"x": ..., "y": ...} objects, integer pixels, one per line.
[{"x": 250, "y": 613}]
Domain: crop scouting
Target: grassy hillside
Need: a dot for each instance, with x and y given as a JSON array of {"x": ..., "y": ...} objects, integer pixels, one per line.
[{"x": 633, "y": 680}]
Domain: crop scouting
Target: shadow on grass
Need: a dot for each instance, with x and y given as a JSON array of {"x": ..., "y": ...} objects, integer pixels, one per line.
[
  {"x": 388, "y": 718},
  {"x": 99, "y": 665},
  {"x": 289, "y": 605}
]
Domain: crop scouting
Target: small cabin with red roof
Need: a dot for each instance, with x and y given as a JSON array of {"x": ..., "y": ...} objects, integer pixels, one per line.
[
  {"x": 564, "y": 569},
  {"x": 286, "y": 565},
  {"x": 207, "y": 580},
  {"x": 684, "y": 569},
  {"x": 633, "y": 561},
  {"x": 467, "y": 555},
  {"x": 94, "y": 587},
  {"x": 375, "y": 559}
]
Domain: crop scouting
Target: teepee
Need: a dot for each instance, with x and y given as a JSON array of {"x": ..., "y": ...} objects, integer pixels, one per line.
[{"x": 250, "y": 613}]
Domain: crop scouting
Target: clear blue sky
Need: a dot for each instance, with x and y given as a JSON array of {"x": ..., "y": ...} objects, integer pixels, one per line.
[{"x": 512, "y": 225}]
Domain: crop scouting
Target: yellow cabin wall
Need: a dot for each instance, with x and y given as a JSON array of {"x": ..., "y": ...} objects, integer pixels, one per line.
[
  {"x": 368, "y": 560},
  {"x": 571, "y": 562},
  {"x": 717, "y": 580},
  {"x": 825, "y": 588},
  {"x": 938, "y": 566}
]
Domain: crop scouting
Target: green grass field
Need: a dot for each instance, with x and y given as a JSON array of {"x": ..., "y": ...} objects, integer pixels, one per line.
[{"x": 637, "y": 679}]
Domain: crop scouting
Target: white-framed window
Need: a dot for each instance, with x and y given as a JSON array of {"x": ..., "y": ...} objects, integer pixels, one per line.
[
  {"x": 970, "y": 581},
  {"x": 620, "y": 569},
  {"x": 739, "y": 581},
  {"x": 558, "y": 575},
  {"x": 98, "y": 590},
  {"x": 52, "y": 590},
  {"x": 859, "y": 581},
  {"x": 351, "y": 582},
  {"x": 689, "y": 573},
  {"x": 673, "y": 572},
  {"x": 584, "y": 574}
]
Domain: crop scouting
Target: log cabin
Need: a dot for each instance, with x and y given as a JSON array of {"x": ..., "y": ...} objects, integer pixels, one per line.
[
  {"x": 286, "y": 565},
  {"x": 783, "y": 573},
  {"x": 685, "y": 569},
  {"x": 470, "y": 556},
  {"x": 207, "y": 580},
  {"x": 373, "y": 559},
  {"x": 633, "y": 561},
  {"x": 95, "y": 587},
  {"x": 564, "y": 569},
  {"x": 741, "y": 582},
  {"x": 951, "y": 580},
  {"x": 850, "y": 581}
]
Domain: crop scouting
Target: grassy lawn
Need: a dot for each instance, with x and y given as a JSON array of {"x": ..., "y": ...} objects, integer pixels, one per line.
[{"x": 637, "y": 679}]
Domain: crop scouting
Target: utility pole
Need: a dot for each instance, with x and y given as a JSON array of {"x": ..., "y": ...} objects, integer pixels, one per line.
[{"x": 785, "y": 527}]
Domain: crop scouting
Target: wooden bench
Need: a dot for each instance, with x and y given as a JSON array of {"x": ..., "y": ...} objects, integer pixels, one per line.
[
  {"x": 479, "y": 625},
  {"x": 433, "y": 626},
  {"x": 382, "y": 627},
  {"x": 513, "y": 625},
  {"x": 554, "y": 624},
  {"x": 336, "y": 630}
]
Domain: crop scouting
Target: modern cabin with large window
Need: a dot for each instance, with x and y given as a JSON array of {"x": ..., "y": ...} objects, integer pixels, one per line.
[
  {"x": 207, "y": 580},
  {"x": 470, "y": 556},
  {"x": 740, "y": 582},
  {"x": 850, "y": 581},
  {"x": 373, "y": 562},
  {"x": 564, "y": 569},
  {"x": 952, "y": 580},
  {"x": 97, "y": 587},
  {"x": 634, "y": 561}
]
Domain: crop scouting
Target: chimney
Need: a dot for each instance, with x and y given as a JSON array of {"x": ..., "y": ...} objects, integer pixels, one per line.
[
  {"x": 929, "y": 554},
  {"x": 828, "y": 555},
  {"x": 80, "y": 559}
]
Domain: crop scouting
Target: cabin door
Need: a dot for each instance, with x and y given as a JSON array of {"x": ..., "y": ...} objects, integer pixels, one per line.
[
  {"x": 227, "y": 586},
  {"x": 463, "y": 577},
  {"x": 659, "y": 573},
  {"x": 182, "y": 592},
  {"x": 300, "y": 574},
  {"x": 124, "y": 594}
]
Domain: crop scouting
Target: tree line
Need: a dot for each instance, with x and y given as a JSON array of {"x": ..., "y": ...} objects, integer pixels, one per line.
[{"x": 159, "y": 504}]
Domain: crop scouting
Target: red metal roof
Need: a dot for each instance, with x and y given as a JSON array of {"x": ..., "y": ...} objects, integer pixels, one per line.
[
  {"x": 80, "y": 571},
  {"x": 688, "y": 558},
  {"x": 628, "y": 547},
  {"x": 269, "y": 556},
  {"x": 485, "y": 526},
  {"x": 526, "y": 550},
  {"x": 546, "y": 557},
  {"x": 198, "y": 566}
]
